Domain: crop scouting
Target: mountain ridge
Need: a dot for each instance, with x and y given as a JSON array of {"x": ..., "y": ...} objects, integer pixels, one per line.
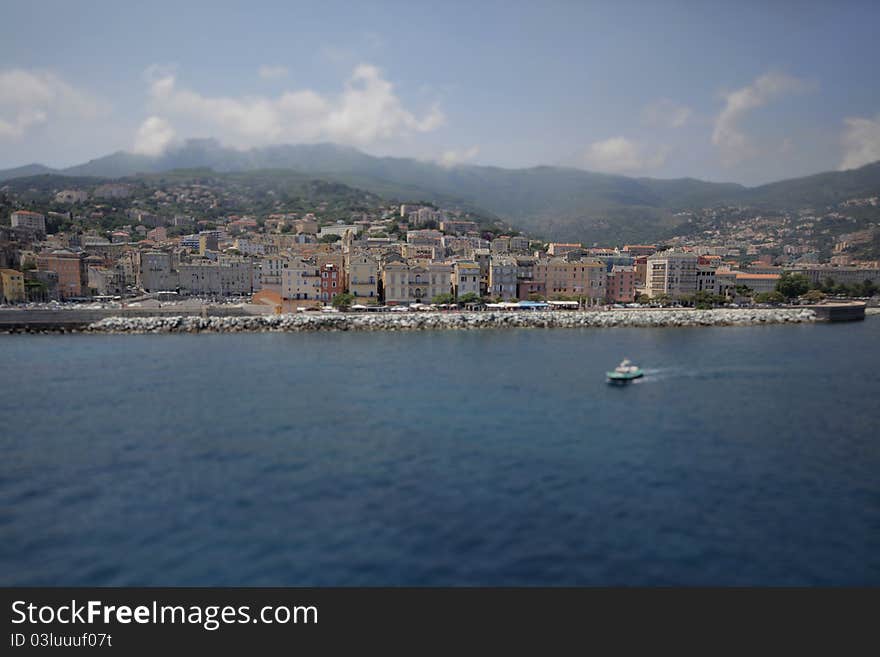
[{"x": 559, "y": 202}]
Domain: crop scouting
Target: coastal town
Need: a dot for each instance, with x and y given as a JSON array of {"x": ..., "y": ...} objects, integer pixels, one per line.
[{"x": 402, "y": 256}]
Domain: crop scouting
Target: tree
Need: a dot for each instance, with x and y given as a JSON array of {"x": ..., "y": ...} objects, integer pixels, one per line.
[
  {"x": 705, "y": 300},
  {"x": 443, "y": 299},
  {"x": 743, "y": 291},
  {"x": 329, "y": 239},
  {"x": 470, "y": 297},
  {"x": 643, "y": 298},
  {"x": 769, "y": 297},
  {"x": 792, "y": 285},
  {"x": 813, "y": 296},
  {"x": 343, "y": 301}
]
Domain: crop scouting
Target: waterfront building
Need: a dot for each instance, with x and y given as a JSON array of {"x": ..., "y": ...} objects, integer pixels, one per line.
[
  {"x": 466, "y": 278},
  {"x": 526, "y": 289},
  {"x": 362, "y": 271},
  {"x": 482, "y": 256},
  {"x": 757, "y": 282},
  {"x": 228, "y": 276},
  {"x": 395, "y": 281},
  {"x": 572, "y": 278},
  {"x": 706, "y": 279},
  {"x": 12, "y": 286},
  {"x": 672, "y": 273},
  {"x": 440, "y": 276},
  {"x": 154, "y": 272},
  {"x": 300, "y": 280},
  {"x": 725, "y": 282},
  {"x": 620, "y": 286},
  {"x": 68, "y": 268},
  {"x": 839, "y": 275},
  {"x": 331, "y": 282},
  {"x": 104, "y": 281},
  {"x": 640, "y": 263},
  {"x": 272, "y": 268},
  {"x": 405, "y": 283},
  {"x": 47, "y": 289},
  {"x": 502, "y": 277}
]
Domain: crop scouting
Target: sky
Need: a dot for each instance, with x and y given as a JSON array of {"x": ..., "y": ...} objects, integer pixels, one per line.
[{"x": 745, "y": 92}]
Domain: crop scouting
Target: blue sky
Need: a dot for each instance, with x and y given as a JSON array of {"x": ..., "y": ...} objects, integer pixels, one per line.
[{"x": 746, "y": 92}]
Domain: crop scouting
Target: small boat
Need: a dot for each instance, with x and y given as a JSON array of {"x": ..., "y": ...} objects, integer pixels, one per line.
[{"x": 625, "y": 372}]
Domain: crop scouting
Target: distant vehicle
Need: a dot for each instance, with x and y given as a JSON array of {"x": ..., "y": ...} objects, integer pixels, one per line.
[{"x": 624, "y": 373}]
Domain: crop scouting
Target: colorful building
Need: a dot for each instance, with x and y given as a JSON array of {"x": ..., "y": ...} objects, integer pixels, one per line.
[
  {"x": 331, "y": 282},
  {"x": 11, "y": 286},
  {"x": 69, "y": 269},
  {"x": 621, "y": 284}
]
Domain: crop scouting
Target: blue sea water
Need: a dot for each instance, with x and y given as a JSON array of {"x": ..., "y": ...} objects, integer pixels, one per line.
[{"x": 747, "y": 455}]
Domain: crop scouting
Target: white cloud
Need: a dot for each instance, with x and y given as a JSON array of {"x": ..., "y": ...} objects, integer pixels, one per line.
[
  {"x": 154, "y": 136},
  {"x": 622, "y": 155},
  {"x": 666, "y": 113},
  {"x": 272, "y": 72},
  {"x": 32, "y": 98},
  {"x": 861, "y": 142},
  {"x": 366, "y": 111},
  {"x": 728, "y": 136},
  {"x": 452, "y": 158}
]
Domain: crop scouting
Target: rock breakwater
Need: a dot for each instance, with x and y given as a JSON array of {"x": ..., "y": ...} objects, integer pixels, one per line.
[{"x": 455, "y": 320}]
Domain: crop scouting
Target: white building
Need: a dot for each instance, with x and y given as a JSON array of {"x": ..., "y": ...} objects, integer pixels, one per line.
[
  {"x": 466, "y": 278},
  {"x": 300, "y": 279},
  {"x": 154, "y": 273},
  {"x": 502, "y": 277},
  {"x": 672, "y": 273},
  {"x": 28, "y": 219}
]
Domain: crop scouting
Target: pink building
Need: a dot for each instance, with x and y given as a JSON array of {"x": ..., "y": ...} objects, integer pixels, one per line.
[{"x": 621, "y": 285}]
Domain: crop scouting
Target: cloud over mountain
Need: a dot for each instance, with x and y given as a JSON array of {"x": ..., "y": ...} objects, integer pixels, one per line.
[
  {"x": 622, "y": 155},
  {"x": 861, "y": 142},
  {"x": 728, "y": 135},
  {"x": 366, "y": 111}
]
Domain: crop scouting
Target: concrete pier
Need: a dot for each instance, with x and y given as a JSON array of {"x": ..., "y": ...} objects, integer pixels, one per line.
[{"x": 839, "y": 312}]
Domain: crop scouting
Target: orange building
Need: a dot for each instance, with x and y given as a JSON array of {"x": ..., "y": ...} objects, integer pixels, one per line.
[{"x": 69, "y": 269}]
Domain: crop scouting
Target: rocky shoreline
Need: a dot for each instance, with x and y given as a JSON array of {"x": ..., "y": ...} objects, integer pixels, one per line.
[{"x": 451, "y": 321}]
